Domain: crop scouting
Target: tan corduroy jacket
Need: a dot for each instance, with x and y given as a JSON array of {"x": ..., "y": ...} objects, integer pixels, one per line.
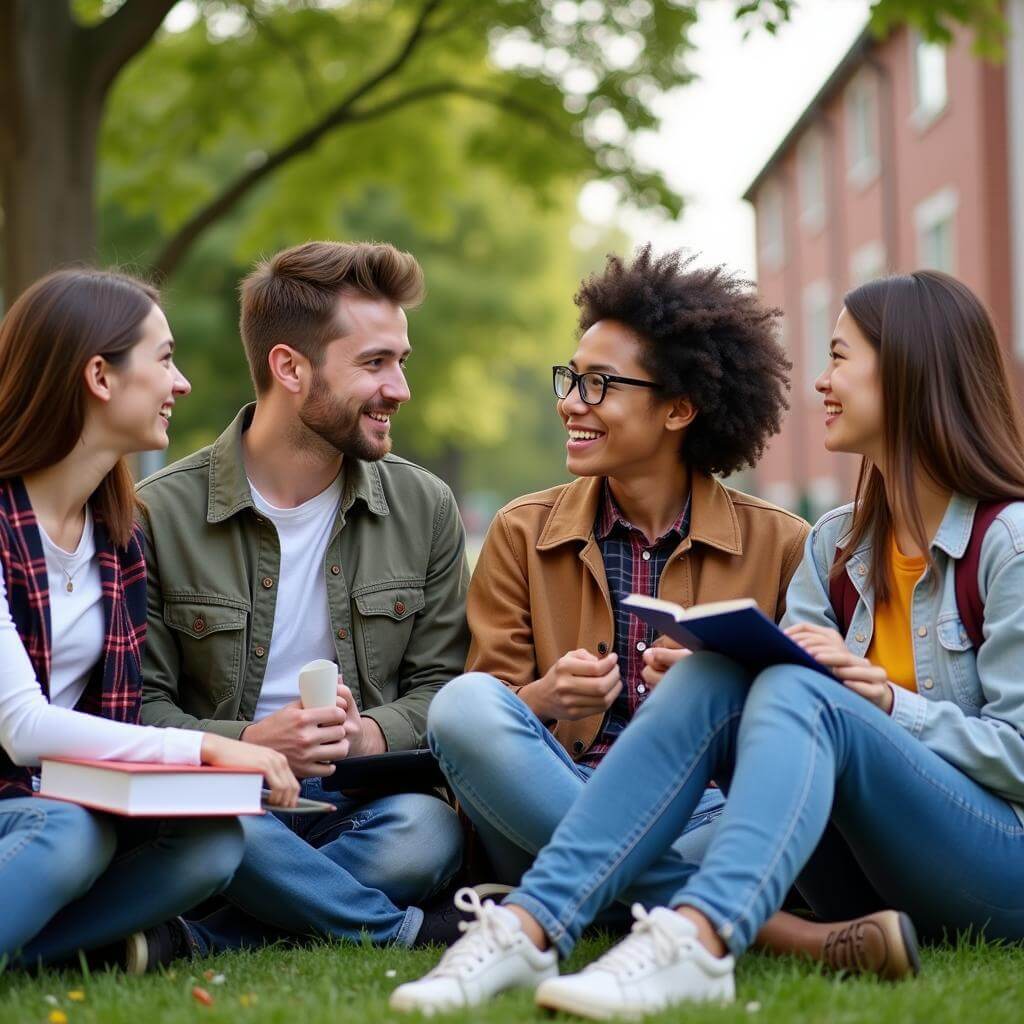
[{"x": 539, "y": 589}]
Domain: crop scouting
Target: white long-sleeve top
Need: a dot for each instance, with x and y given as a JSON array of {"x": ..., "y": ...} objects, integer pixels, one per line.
[{"x": 31, "y": 727}]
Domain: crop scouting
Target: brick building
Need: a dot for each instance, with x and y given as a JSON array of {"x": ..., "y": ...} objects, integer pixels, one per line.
[{"x": 911, "y": 155}]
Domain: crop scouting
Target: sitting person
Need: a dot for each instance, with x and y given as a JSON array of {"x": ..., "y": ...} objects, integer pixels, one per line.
[
  {"x": 677, "y": 376},
  {"x": 895, "y": 778},
  {"x": 87, "y": 376},
  {"x": 296, "y": 536}
]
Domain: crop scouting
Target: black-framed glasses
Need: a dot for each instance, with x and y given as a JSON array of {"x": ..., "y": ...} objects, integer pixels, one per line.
[{"x": 592, "y": 384}]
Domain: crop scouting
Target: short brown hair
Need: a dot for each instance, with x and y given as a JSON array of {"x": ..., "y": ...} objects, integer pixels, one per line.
[
  {"x": 291, "y": 298},
  {"x": 47, "y": 338}
]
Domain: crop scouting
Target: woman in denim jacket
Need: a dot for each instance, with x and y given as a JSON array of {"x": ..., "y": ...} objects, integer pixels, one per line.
[{"x": 898, "y": 780}]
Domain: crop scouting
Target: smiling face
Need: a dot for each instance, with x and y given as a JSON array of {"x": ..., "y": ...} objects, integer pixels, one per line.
[
  {"x": 631, "y": 429},
  {"x": 361, "y": 382},
  {"x": 852, "y": 390},
  {"x": 143, "y": 389}
]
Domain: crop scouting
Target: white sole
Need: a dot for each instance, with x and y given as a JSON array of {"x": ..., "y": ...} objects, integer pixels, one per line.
[
  {"x": 581, "y": 1006},
  {"x": 136, "y": 954}
]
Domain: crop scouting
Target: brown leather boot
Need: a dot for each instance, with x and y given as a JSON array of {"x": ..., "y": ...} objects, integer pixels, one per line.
[{"x": 884, "y": 944}]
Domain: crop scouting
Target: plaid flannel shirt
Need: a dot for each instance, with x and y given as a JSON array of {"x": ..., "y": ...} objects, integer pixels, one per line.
[
  {"x": 632, "y": 565},
  {"x": 114, "y": 689}
]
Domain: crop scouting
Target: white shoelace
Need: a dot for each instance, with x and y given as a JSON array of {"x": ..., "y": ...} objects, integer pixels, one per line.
[
  {"x": 649, "y": 939},
  {"x": 489, "y": 933}
]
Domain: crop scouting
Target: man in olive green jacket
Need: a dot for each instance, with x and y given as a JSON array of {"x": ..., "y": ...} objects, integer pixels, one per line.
[{"x": 298, "y": 536}]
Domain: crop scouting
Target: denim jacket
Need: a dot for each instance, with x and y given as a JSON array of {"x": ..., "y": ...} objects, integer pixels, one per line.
[{"x": 969, "y": 705}]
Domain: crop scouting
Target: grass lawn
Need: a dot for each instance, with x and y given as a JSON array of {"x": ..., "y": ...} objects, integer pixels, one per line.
[{"x": 339, "y": 984}]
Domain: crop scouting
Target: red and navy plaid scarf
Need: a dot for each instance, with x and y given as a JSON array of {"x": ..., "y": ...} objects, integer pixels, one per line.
[{"x": 114, "y": 689}]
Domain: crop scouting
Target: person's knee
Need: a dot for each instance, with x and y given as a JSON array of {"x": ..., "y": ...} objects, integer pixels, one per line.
[
  {"x": 79, "y": 847},
  {"x": 468, "y": 707},
  {"x": 790, "y": 689},
  {"x": 210, "y": 851},
  {"x": 700, "y": 678}
]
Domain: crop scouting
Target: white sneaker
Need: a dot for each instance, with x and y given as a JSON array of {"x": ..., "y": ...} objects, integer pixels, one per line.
[
  {"x": 493, "y": 955},
  {"x": 660, "y": 963}
]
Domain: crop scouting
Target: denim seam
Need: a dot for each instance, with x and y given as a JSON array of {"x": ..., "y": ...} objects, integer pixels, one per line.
[
  {"x": 643, "y": 827},
  {"x": 38, "y": 823}
]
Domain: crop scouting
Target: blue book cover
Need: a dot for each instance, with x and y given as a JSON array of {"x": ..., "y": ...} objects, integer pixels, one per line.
[{"x": 737, "y": 629}]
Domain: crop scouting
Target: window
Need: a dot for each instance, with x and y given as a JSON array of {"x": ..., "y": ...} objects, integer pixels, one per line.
[
  {"x": 929, "y": 78},
  {"x": 770, "y": 226},
  {"x": 818, "y": 324},
  {"x": 867, "y": 263},
  {"x": 935, "y": 222},
  {"x": 811, "y": 177},
  {"x": 862, "y": 129}
]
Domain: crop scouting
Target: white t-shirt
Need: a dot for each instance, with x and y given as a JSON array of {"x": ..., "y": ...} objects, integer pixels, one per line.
[
  {"x": 302, "y": 621},
  {"x": 31, "y": 727}
]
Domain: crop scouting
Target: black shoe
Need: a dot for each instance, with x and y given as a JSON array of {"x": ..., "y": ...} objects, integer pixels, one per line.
[
  {"x": 441, "y": 918},
  {"x": 158, "y": 946}
]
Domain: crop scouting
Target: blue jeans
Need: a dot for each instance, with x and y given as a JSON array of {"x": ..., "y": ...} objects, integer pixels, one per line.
[
  {"x": 516, "y": 783},
  {"x": 819, "y": 780},
  {"x": 357, "y": 871},
  {"x": 74, "y": 879}
]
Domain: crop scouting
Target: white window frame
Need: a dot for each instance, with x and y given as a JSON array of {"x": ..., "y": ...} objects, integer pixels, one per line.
[
  {"x": 771, "y": 225},
  {"x": 812, "y": 180},
  {"x": 861, "y": 166},
  {"x": 817, "y": 328},
  {"x": 939, "y": 208},
  {"x": 867, "y": 262},
  {"x": 924, "y": 115}
]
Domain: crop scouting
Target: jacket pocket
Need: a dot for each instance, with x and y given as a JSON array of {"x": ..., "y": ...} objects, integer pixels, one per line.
[
  {"x": 383, "y": 618},
  {"x": 211, "y": 637},
  {"x": 961, "y": 661}
]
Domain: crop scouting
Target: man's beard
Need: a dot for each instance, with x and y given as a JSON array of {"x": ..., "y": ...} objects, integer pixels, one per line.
[{"x": 340, "y": 426}]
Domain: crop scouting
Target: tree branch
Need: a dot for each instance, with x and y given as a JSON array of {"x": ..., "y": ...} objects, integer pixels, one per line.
[{"x": 113, "y": 42}]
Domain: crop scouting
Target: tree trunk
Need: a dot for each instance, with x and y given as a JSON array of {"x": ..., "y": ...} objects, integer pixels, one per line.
[{"x": 49, "y": 119}]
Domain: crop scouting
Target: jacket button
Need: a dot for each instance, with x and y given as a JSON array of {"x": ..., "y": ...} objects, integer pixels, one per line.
[
  {"x": 260, "y": 651},
  {"x": 922, "y": 630},
  {"x": 267, "y": 582},
  {"x": 928, "y": 684},
  {"x": 199, "y": 626},
  {"x": 335, "y": 569},
  {"x": 862, "y": 570},
  {"x": 860, "y": 638},
  {"x": 578, "y": 746},
  {"x": 602, "y": 648},
  {"x": 342, "y": 634},
  {"x": 399, "y": 607}
]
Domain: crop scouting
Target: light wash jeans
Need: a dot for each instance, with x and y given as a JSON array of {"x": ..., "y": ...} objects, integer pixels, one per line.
[
  {"x": 360, "y": 870},
  {"x": 799, "y": 752},
  {"x": 75, "y": 879},
  {"x": 515, "y": 781}
]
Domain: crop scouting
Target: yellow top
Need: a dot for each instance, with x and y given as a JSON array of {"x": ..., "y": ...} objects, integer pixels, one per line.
[{"x": 892, "y": 643}]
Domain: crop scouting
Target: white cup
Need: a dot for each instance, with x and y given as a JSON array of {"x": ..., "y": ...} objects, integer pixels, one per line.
[{"x": 318, "y": 684}]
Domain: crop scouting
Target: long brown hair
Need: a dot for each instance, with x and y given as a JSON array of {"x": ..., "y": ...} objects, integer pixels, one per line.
[
  {"x": 948, "y": 408},
  {"x": 47, "y": 338}
]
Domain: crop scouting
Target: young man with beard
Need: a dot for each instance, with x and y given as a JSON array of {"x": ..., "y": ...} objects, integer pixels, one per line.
[{"x": 298, "y": 536}]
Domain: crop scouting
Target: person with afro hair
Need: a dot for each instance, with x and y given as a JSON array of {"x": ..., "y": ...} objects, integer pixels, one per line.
[{"x": 677, "y": 378}]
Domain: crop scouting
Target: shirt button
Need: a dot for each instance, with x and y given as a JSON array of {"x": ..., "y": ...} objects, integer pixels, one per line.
[
  {"x": 922, "y": 630},
  {"x": 646, "y": 556},
  {"x": 267, "y": 582},
  {"x": 335, "y": 569},
  {"x": 860, "y": 638},
  {"x": 641, "y": 646},
  {"x": 260, "y": 651},
  {"x": 928, "y": 684},
  {"x": 342, "y": 634},
  {"x": 641, "y": 688},
  {"x": 199, "y": 626}
]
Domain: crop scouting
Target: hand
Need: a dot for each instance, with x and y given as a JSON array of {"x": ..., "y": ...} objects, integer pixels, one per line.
[
  {"x": 659, "y": 658},
  {"x": 283, "y": 786},
  {"x": 364, "y": 734},
  {"x": 578, "y": 685},
  {"x": 309, "y": 737},
  {"x": 870, "y": 681}
]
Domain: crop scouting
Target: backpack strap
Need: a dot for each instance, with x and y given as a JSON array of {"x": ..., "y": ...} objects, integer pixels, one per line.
[
  {"x": 843, "y": 595},
  {"x": 968, "y": 594}
]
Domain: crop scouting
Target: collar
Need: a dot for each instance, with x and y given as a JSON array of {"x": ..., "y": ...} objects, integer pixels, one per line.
[
  {"x": 610, "y": 516},
  {"x": 954, "y": 533},
  {"x": 229, "y": 490},
  {"x": 713, "y": 519}
]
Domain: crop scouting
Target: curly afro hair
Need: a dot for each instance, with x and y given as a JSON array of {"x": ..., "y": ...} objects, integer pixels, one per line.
[{"x": 705, "y": 336}]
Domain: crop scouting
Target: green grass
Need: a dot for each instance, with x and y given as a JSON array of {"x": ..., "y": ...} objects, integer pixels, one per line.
[{"x": 327, "y": 984}]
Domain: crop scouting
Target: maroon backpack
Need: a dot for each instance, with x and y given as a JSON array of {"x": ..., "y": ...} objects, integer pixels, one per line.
[{"x": 843, "y": 594}]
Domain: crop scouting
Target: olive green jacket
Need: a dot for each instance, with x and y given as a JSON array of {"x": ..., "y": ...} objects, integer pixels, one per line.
[{"x": 396, "y": 585}]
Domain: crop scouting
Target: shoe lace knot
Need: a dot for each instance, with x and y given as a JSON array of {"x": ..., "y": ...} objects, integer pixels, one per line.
[
  {"x": 489, "y": 932},
  {"x": 650, "y": 941}
]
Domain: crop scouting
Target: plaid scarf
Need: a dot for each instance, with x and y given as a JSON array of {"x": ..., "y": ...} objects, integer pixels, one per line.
[{"x": 114, "y": 689}]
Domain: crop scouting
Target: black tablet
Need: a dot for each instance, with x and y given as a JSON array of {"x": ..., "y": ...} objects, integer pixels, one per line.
[{"x": 398, "y": 771}]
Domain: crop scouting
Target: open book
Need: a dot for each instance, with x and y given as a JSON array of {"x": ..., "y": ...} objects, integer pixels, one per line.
[
  {"x": 737, "y": 629},
  {"x": 137, "y": 790}
]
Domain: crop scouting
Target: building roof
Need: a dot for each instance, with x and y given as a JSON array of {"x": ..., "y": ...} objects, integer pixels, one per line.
[{"x": 843, "y": 72}]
